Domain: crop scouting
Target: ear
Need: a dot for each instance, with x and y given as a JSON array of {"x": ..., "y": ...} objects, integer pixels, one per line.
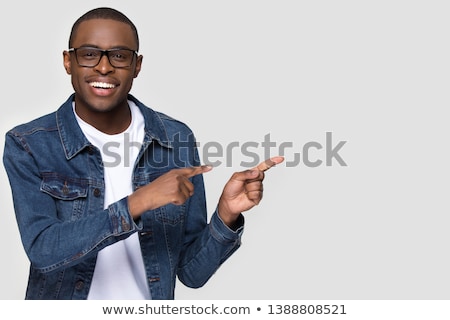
[
  {"x": 137, "y": 69},
  {"x": 67, "y": 62}
]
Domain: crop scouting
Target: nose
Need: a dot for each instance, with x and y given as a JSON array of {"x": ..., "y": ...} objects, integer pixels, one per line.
[{"x": 104, "y": 66}]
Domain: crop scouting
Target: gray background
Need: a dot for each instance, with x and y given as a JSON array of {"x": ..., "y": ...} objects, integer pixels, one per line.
[{"x": 374, "y": 73}]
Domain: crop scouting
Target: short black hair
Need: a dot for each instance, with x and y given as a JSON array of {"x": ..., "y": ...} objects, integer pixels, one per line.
[{"x": 103, "y": 13}]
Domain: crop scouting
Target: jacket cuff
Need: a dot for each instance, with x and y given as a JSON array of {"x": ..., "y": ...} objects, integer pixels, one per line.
[
  {"x": 120, "y": 217},
  {"x": 222, "y": 233}
]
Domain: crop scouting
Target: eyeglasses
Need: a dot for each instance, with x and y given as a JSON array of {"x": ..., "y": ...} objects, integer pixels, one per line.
[{"x": 90, "y": 57}]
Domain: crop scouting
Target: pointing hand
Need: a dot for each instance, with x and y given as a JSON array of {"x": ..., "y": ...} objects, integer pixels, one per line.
[{"x": 244, "y": 190}]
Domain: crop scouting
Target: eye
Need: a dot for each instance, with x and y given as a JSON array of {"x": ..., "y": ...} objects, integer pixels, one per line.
[
  {"x": 87, "y": 53},
  {"x": 120, "y": 55}
]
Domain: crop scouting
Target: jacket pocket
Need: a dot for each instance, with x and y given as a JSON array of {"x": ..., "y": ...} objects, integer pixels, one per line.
[
  {"x": 69, "y": 194},
  {"x": 170, "y": 214}
]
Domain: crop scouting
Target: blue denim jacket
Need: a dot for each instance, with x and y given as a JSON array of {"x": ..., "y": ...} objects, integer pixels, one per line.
[{"x": 57, "y": 183}]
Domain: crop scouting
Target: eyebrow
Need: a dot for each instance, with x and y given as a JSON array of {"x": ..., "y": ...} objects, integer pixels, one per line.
[{"x": 88, "y": 45}]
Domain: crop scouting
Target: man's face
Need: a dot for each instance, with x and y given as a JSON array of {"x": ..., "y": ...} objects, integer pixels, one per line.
[{"x": 102, "y": 88}]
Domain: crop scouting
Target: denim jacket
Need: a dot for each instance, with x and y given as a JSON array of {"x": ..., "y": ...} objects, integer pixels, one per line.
[{"x": 57, "y": 183}]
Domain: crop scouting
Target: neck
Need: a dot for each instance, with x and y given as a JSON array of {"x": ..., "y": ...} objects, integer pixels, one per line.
[{"x": 112, "y": 121}]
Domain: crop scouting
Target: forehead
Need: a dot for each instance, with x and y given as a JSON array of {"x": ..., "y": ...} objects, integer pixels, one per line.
[{"x": 104, "y": 33}]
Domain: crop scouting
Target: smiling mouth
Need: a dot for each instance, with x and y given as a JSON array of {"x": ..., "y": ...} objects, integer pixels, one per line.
[{"x": 102, "y": 85}]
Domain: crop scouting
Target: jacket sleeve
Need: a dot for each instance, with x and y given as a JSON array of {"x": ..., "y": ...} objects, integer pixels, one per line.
[
  {"x": 207, "y": 245},
  {"x": 215, "y": 245},
  {"x": 49, "y": 241}
]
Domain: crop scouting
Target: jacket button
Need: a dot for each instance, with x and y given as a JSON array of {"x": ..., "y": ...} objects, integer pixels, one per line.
[
  {"x": 97, "y": 192},
  {"x": 91, "y": 150},
  {"x": 125, "y": 224},
  {"x": 79, "y": 284}
]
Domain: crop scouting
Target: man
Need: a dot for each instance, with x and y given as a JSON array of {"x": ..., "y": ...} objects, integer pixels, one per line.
[{"x": 100, "y": 218}]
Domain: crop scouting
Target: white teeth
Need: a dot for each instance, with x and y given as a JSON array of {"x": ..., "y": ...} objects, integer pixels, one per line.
[{"x": 102, "y": 85}]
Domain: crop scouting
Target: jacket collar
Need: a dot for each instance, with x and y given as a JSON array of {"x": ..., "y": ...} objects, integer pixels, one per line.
[{"x": 73, "y": 140}]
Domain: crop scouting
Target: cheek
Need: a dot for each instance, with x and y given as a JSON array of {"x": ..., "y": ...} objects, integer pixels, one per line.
[
  {"x": 127, "y": 82},
  {"x": 76, "y": 79}
]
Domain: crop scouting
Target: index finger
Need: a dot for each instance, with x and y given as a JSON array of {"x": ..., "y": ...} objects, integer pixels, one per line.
[
  {"x": 269, "y": 163},
  {"x": 193, "y": 171}
]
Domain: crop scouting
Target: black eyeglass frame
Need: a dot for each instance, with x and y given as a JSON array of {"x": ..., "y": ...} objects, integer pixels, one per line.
[{"x": 103, "y": 53}]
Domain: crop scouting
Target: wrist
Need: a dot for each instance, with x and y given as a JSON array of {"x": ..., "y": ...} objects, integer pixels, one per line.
[
  {"x": 137, "y": 204},
  {"x": 228, "y": 218}
]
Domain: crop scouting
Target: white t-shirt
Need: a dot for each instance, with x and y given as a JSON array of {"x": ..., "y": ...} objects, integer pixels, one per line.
[{"x": 119, "y": 272}]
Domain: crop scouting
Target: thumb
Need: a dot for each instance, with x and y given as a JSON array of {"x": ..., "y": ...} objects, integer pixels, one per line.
[{"x": 246, "y": 175}]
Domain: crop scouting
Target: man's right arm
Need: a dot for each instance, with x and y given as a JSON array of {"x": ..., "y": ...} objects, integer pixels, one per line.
[{"x": 50, "y": 240}]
